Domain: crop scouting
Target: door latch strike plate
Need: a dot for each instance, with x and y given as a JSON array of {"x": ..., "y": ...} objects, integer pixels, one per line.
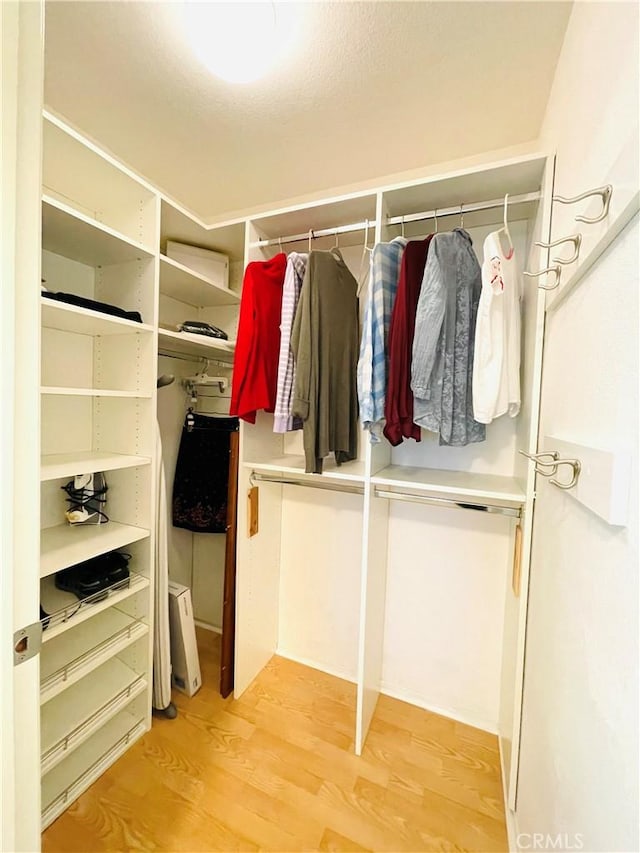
[{"x": 27, "y": 643}]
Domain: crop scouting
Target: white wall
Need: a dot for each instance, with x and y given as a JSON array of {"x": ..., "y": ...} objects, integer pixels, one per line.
[{"x": 579, "y": 748}]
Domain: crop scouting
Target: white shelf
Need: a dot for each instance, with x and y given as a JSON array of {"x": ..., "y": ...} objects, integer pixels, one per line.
[
  {"x": 196, "y": 345},
  {"x": 70, "y": 233},
  {"x": 66, "y": 611},
  {"x": 76, "y": 653},
  {"x": 294, "y": 465},
  {"x": 56, "y": 465},
  {"x": 191, "y": 287},
  {"x": 67, "y": 544},
  {"x": 75, "y": 774},
  {"x": 458, "y": 484},
  {"x": 85, "y": 321},
  {"x": 60, "y": 390},
  {"x": 73, "y": 716}
]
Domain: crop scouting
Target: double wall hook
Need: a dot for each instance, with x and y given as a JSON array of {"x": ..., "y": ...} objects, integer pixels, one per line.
[
  {"x": 538, "y": 459},
  {"x": 576, "y": 239},
  {"x": 554, "y": 269},
  {"x": 552, "y": 465},
  {"x": 604, "y": 192},
  {"x": 577, "y": 467}
]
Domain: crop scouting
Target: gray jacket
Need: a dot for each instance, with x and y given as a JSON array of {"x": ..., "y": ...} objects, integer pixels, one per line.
[{"x": 442, "y": 365}]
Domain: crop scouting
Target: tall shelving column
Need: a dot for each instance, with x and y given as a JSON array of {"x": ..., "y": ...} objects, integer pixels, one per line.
[{"x": 99, "y": 239}]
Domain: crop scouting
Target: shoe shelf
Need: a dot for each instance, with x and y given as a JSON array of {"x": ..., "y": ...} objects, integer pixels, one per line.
[
  {"x": 71, "y": 777},
  {"x": 196, "y": 345},
  {"x": 465, "y": 485},
  {"x": 56, "y": 465},
  {"x": 66, "y": 544},
  {"x": 67, "y": 232},
  {"x": 73, "y": 716},
  {"x": 66, "y": 611},
  {"x": 71, "y": 656},
  {"x": 85, "y": 321},
  {"x": 60, "y": 390},
  {"x": 195, "y": 289}
]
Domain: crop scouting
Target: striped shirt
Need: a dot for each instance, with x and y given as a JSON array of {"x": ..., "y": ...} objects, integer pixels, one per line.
[
  {"x": 294, "y": 274},
  {"x": 372, "y": 364}
]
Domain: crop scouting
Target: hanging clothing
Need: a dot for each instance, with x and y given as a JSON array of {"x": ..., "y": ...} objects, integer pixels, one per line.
[
  {"x": 443, "y": 345},
  {"x": 398, "y": 410},
  {"x": 496, "y": 366},
  {"x": 202, "y": 474},
  {"x": 372, "y": 364},
  {"x": 161, "y": 641},
  {"x": 325, "y": 347},
  {"x": 255, "y": 368},
  {"x": 283, "y": 421}
]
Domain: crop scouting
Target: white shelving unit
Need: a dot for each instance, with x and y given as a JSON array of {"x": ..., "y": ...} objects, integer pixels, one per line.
[
  {"x": 294, "y": 465},
  {"x": 454, "y": 484},
  {"x": 196, "y": 345},
  {"x": 189, "y": 286},
  {"x": 100, "y": 242}
]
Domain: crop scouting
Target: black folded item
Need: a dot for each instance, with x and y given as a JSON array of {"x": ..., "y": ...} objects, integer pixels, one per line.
[
  {"x": 107, "y": 571},
  {"x": 94, "y": 305},
  {"x": 195, "y": 327}
]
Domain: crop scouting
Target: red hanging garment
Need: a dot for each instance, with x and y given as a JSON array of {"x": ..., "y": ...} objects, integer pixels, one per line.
[{"x": 255, "y": 367}]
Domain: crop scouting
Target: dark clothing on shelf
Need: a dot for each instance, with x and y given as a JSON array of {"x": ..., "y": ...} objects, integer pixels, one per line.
[
  {"x": 94, "y": 305},
  {"x": 325, "y": 345},
  {"x": 398, "y": 409},
  {"x": 202, "y": 474}
]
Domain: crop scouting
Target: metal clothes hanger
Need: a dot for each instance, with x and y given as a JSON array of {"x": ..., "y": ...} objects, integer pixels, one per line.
[
  {"x": 435, "y": 219},
  {"x": 401, "y": 226},
  {"x": 505, "y": 224},
  {"x": 461, "y": 216},
  {"x": 366, "y": 250}
]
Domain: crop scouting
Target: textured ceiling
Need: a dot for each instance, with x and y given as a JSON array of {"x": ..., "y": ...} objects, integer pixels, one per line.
[{"x": 370, "y": 89}]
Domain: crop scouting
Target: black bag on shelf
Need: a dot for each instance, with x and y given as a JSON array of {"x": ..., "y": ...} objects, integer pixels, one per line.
[{"x": 106, "y": 572}]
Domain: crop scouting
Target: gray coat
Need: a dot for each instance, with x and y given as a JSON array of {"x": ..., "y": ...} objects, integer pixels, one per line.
[
  {"x": 443, "y": 344},
  {"x": 325, "y": 343}
]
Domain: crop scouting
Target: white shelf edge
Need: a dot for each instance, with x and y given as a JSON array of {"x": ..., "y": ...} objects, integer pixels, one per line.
[
  {"x": 511, "y": 493},
  {"x": 198, "y": 278},
  {"x": 68, "y": 210},
  {"x": 56, "y": 465},
  {"x": 65, "y": 545},
  {"x": 82, "y": 611},
  {"x": 61, "y": 391},
  {"x": 277, "y": 467},
  {"x": 51, "y": 306}
]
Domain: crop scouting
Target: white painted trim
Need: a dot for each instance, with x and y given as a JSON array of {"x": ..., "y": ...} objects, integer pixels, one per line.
[
  {"x": 467, "y": 719},
  {"x": 312, "y": 664},
  {"x": 511, "y": 820}
]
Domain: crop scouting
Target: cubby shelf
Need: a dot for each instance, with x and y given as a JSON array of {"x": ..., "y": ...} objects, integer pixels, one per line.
[
  {"x": 66, "y": 544},
  {"x": 74, "y": 235},
  {"x": 295, "y": 465},
  {"x": 76, "y": 653},
  {"x": 199, "y": 346},
  {"x": 56, "y": 465},
  {"x": 85, "y": 321},
  {"x": 65, "y": 782},
  {"x": 66, "y": 612},
  {"x": 459, "y": 484},
  {"x": 60, "y": 390},
  {"x": 191, "y": 287},
  {"x": 73, "y": 716}
]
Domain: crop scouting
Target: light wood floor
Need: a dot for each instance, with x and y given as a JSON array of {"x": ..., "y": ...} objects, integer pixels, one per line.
[{"x": 275, "y": 771}]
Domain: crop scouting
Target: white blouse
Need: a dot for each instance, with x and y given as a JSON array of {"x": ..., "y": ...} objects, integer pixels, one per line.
[{"x": 496, "y": 365}]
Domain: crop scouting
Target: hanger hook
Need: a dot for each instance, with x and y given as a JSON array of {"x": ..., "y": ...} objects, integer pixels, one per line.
[
  {"x": 506, "y": 205},
  {"x": 461, "y": 216},
  {"x": 402, "y": 225},
  {"x": 435, "y": 219},
  {"x": 337, "y": 246},
  {"x": 280, "y": 243}
]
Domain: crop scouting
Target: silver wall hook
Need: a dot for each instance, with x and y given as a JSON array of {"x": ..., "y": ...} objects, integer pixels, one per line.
[
  {"x": 576, "y": 239},
  {"x": 577, "y": 467},
  {"x": 604, "y": 192},
  {"x": 555, "y": 269},
  {"x": 538, "y": 459}
]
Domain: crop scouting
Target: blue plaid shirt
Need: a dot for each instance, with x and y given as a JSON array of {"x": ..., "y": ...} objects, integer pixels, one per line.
[{"x": 372, "y": 363}]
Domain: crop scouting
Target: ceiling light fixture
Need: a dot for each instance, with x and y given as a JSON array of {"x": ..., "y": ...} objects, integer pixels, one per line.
[{"x": 240, "y": 42}]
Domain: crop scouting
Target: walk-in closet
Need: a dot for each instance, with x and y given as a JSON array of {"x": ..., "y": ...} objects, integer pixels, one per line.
[{"x": 322, "y": 563}]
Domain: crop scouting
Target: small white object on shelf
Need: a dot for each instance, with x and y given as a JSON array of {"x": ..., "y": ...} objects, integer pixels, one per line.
[{"x": 212, "y": 265}]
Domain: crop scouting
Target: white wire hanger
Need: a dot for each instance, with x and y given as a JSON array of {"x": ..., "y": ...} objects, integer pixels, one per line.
[{"x": 505, "y": 226}]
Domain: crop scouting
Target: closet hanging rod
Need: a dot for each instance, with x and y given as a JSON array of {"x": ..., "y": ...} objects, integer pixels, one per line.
[
  {"x": 292, "y": 481},
  {"x": 458, "y": 210},
  {"x": 397, "y": 220},
  {"x": 514, "y": 512},
  {"x": 167, "y": 353}
]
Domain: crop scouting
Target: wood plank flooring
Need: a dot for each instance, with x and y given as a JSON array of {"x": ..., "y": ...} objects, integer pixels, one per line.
[{"x": 275, "y": 771}]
